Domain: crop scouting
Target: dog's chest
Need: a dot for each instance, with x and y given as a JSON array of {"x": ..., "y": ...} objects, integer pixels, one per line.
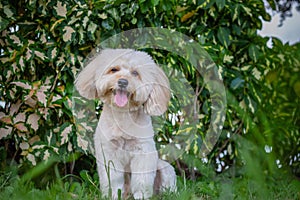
[
  {"x": 126, "y": 144},
  {"x": 125, "y": 127}
]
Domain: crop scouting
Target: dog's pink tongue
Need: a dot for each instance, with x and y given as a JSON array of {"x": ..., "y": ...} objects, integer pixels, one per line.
[{"x": 121, "y": 98}]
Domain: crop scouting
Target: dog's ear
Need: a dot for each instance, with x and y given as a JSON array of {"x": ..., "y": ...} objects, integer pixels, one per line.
[
  {"x": 85, "y": 81},
  {"x": 157, "y": 102}
]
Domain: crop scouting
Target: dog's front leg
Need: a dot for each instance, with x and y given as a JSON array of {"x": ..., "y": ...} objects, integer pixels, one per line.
[
  {"x": 111, "y": 181},
  {"x": 110, "y": 170},
  {"x": 143, "y": 171}
]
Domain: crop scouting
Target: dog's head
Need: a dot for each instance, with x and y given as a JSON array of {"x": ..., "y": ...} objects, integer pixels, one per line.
[{"x": 125, "y": 78}]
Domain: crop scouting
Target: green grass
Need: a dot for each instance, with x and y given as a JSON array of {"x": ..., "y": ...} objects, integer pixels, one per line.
[
  {"x": 86, "y": 187},
  {"x": 14, "y": 188}
]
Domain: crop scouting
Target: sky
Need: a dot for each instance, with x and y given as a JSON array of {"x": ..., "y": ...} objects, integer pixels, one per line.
[{"x": 289, "y": 32}]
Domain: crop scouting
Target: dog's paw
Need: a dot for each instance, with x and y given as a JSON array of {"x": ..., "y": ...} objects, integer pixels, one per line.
[{"x": 140, "y": 195}]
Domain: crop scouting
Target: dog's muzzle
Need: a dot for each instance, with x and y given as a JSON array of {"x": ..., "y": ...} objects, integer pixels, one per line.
[{"x": 121, "y": 94}]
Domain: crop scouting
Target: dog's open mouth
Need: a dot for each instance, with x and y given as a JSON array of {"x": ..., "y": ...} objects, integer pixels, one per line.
[{"x": 121, "y": 97}]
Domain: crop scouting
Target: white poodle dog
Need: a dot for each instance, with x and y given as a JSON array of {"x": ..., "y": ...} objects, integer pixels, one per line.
[{"x": 132, "y": 88}]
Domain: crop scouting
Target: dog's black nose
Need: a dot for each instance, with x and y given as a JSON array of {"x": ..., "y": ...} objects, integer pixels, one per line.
[{"x": 122, "y": 83}]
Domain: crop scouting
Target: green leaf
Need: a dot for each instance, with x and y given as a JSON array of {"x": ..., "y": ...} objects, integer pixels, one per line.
[
  {"x": 8, "y": 12},
  {"x": 235, "y": 12},
  {"x": 115, "y": 14},
  {"x": 296, "y": 87},
  {"x": 267, "y": 17},
  {"x": 60, "y": 9},
  {"x": 154, "y": 2},
  {"x": 3, "y": 23},
  {"x": 144, "y": 6},
  {"x": 84, "y": 174},
  {"x": 41, "y": 55},
  {"x": 223, "y": 36},
  {"x": 252, "y": 105},
  {"x": 236, "y": 83},
  {"x": 69, "y": 33},
  {"x": 15, "y": 40},
  {"x": 82, "y": 143},
  {"x": 220, "y": 4},
  {"x": 65, "y": 132},
  {"x": 52, "y": 53},
  {"x": 236, "y": 29},
  {"x": 253, "y": 52},
  {"x": 272, "y": 4},
  {"x": 134, "y": 20},
  {"x": 92, "y": 28},
  {"x": 108, "y": 23},
  {"x": 227, "y": 58}
]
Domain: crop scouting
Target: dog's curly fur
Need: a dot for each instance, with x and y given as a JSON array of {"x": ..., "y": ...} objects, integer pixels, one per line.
[{"x": 132, "y": 88}]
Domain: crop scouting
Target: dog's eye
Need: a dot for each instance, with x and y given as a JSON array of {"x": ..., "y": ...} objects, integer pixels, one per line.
[
  {"x": 134, "y": 73},
  {"x": 114, "y": 69}
]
